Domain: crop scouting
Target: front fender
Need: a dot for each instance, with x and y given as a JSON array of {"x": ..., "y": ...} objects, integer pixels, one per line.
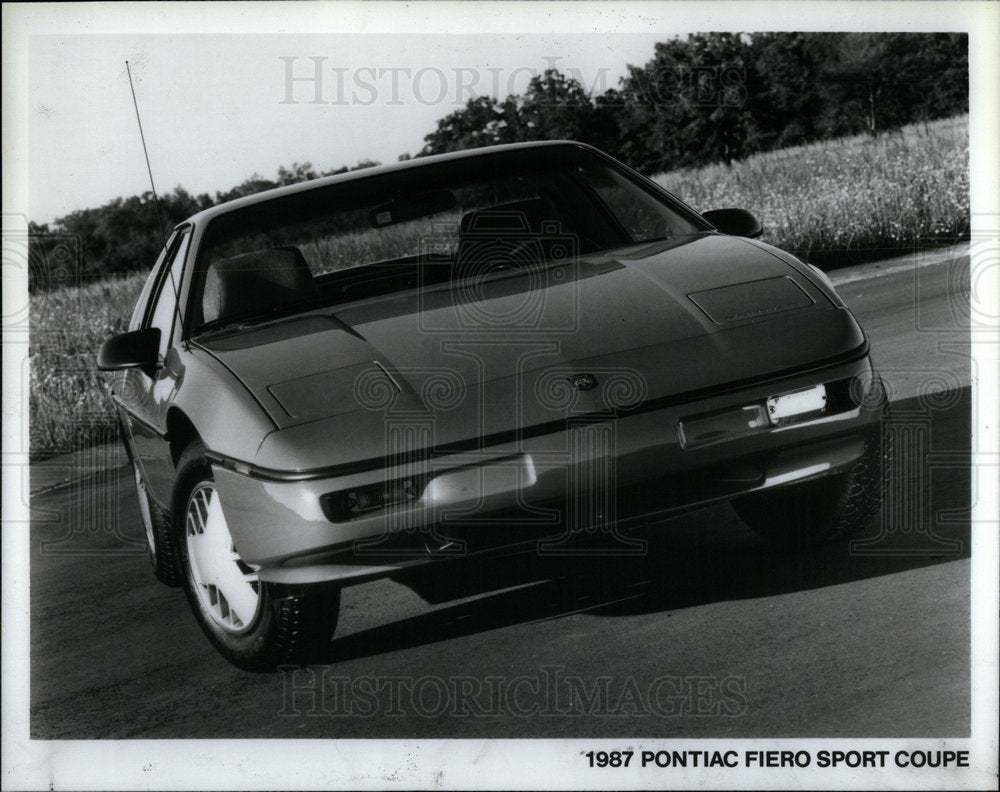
[{"x": 224, "y": 413}]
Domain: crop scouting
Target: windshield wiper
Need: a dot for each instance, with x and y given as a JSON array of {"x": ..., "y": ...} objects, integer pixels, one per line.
[
  {"x": 241, "y": 321},
  {"x": 244, "y": 321}
]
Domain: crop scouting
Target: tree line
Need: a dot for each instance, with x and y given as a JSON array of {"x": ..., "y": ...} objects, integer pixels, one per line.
[
  {"x": 714, "y": 97},
  {"x": 126, "y": 234},
  {"x": 719, "y": 97}
]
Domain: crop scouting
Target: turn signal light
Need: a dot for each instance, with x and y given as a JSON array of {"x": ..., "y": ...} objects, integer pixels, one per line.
[{"x": 349, "y": 504}]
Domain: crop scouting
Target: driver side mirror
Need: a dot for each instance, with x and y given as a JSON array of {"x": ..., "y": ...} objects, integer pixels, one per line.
[
  {"x": 735, "y": 222},
  {"x": 138, "y": 349}
]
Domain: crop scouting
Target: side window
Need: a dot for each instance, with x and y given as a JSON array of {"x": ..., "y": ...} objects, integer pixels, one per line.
[
  {"x": 147, "y": 289},
  {"x": 640, "y": 214},
  {"x": 164, "y": 311}
]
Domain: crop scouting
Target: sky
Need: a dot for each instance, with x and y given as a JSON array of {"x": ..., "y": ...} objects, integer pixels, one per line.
[
  {"x": 212, "y": 79},
  {"x": 216, "y": 109}
]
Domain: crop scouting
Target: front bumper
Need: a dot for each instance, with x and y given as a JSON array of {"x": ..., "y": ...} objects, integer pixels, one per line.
[{"x": 596, "y": 475}]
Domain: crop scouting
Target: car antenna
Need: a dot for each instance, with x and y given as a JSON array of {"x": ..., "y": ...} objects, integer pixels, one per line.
[
  {"x": 156, "y": 198},
  {"x": 149, "y": 169}
]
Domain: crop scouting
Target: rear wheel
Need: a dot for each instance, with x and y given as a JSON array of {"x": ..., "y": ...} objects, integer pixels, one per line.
[
  {"x": 255, "y": 625},
  {"x": 823, "y": 510}
]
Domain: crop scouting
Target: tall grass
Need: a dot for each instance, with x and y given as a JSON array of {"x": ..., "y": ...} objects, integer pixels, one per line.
[
  {"x": 68, "y": 397},
  {"x": 848, "y": 199},
  {"x": 336, "y": 252},
  {"x": 828, "y": 202}
]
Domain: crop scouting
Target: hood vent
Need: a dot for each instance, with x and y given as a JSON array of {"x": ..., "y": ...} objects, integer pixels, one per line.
[
  {"x": 335, "y": 392},
  {"x": 751, "y": 301}
]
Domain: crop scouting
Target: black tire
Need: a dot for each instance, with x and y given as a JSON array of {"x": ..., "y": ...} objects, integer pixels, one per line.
[
  {"x": 292, "y": 624},
  {"x": 159, "y": 535},
  {"x": 825, "y": 510}
]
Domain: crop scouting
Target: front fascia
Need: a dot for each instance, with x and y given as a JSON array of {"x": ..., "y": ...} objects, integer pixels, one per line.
[{"x": 275, "y": 521}]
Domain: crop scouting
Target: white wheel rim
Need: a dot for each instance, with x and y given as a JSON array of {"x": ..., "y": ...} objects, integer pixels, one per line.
[
  {"x": 147, "y": 518},
  {"x": 227, "y": 587}
]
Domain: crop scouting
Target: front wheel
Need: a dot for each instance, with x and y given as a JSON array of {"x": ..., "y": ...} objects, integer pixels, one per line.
[
  {"x": 255, "y": 625},
  {"x": 823, "y": 510}
]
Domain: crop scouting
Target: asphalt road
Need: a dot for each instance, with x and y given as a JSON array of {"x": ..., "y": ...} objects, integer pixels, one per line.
[{"x": 710, "y": 633}]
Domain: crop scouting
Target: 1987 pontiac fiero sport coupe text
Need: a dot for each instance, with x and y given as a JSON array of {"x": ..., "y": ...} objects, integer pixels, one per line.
[{"x": 509, "y": 349}]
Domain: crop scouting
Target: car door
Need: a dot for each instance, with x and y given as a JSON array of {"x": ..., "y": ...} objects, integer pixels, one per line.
[
  {"x": 147, "y": 394},
  {"x": 126, "y": 383}
]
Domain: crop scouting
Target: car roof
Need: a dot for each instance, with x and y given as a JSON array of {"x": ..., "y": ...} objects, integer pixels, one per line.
[{"x": 266, "y": 195}]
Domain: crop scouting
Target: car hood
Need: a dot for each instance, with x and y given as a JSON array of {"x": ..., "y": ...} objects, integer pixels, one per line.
[{"x": 488, "y": 354}]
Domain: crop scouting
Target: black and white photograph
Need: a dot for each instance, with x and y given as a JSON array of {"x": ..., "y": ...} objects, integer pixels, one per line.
[{"x": 501, "y": 395}]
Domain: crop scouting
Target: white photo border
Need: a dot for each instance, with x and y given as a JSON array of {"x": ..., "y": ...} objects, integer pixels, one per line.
[{"x": 486, "y": 764}]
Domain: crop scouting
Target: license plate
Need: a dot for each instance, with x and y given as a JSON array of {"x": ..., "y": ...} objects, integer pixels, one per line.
[{"x": 788, "y": 406}]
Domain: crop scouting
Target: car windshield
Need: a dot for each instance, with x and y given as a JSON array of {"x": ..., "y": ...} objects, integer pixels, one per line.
[{"x": 444, "y": 221}]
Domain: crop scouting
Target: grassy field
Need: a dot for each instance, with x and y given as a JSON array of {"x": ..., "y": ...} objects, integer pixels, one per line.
[
  {"x": 847, "y": 200},
  {"x": 68, "y": 401},
  {"x": 830, "y": 202}
]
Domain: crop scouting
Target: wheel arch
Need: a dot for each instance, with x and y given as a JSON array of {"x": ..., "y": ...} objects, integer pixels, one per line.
[{"x": 181, "y": 432}]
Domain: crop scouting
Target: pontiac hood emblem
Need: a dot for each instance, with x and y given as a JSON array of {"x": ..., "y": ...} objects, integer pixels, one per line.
[{"x": 583, "y": 382}]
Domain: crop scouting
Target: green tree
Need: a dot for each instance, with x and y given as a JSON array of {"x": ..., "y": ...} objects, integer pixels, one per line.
[
  {"x": 475, "y": 125},
  {"x": 786, "y": 88},
  {"x": 880, "y": 81},
  {"x": 689, "y": 104}
]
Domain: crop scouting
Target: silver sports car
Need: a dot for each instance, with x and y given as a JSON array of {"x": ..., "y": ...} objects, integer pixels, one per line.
[{"x": 526, "y": 348}]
